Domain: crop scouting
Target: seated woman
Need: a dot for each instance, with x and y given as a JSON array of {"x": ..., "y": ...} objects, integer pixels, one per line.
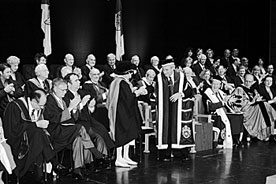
[
  {"x": 259, "y": 116},
  {"x": 14, "y": 61},
  {"x": 9, "y": 89},
  {"x": 267, "y": 92}
]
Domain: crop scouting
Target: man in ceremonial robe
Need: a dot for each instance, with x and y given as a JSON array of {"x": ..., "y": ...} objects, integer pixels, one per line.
[
  {"x": 97, "y": 91},
  {"x": 25, "y": 129},
  {"x": 174, "y": 128},
  {"x": 41, "y": 80}
]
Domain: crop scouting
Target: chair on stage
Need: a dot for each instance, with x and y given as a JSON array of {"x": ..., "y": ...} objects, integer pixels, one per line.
[{"x": 147, "y": 128}]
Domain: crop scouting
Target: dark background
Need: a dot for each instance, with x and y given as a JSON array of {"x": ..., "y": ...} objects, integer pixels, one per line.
[{"x": 151, "y": 27}]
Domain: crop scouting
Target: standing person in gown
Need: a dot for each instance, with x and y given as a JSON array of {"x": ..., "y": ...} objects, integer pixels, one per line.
[
  {"x": 123, "y": 112},
  {"x": 174, "y": 129}
]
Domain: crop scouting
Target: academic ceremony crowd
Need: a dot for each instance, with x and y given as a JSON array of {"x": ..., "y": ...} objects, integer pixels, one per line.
[{"x": 96, "y": 111}]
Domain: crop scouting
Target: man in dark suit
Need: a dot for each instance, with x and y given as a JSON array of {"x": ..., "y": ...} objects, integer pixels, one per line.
[
  {"x": 200, "y": 66},
  {"x": 233, "y": 68},
  {"x": 270, "y": 72},
  {"x": 109, "y": 69},
  {"x": 225, "y": 60},
  {"x": 140, "y": 71},
  {"x": 85, "y": 69}
]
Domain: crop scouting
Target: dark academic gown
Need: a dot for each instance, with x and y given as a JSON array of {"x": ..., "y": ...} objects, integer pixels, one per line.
[
  {"x": 263, "y": 92},
  {"x": 96, "y": 91},
  {"x": 16, "y": 121},
  {"x": 61, "y": 135},
  {"x": 128, "y": 118},
  {"x": 107, "y": 79},
  {"x": 19, "y": 78},
  {"x": 88, "y": 121},
  {"x": 33, "y": 84}
]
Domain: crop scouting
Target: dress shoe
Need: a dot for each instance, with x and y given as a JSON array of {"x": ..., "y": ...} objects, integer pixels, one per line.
[
  {"x": 61, "y": 170},
  {"x": 121, "y": 163}
]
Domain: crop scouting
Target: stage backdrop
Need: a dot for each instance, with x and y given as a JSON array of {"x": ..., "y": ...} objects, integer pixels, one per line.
[{"x": 151, "y": 27}]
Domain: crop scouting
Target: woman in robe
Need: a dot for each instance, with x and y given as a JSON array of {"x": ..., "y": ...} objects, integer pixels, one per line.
[
  {"x": 123, "y": 112},
  {"x": 267, "y": 92},
  {"x": 259, "y": 116}
]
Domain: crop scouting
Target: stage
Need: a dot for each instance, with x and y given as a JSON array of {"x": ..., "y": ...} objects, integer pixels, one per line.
[{"x": 248, "y": 165}]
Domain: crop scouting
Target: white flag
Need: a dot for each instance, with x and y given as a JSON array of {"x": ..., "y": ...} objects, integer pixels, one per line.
[{"x": 46, "y": 27}]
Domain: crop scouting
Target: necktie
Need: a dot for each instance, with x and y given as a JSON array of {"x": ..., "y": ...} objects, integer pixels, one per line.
[
  {"x": 33, "y": 114},
  {"x": 170, "y": 85},
  {"x": 45, "y": 87}
]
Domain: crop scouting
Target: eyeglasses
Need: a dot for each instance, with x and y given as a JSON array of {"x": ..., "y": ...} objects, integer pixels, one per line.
[{"x": 63, "y": 90}]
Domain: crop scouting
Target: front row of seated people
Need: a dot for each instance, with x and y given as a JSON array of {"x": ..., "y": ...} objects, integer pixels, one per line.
[{"x": 67, "y": 118}]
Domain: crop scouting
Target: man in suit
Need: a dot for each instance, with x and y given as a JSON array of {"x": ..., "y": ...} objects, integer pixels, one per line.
[
  {"x": 109, "y": 69},
  {"x": 140, "y": 71},
  {"x": 85, "y": 69},
  {"x": 225, "y": 60},
  {"x": 200, "y": 66},
  {"x": 97, "y": 91},
  {"x": 233, "y": 68}
]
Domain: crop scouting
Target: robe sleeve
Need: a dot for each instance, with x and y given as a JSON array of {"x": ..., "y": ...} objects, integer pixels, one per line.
[{"x": 13, "y": 124}]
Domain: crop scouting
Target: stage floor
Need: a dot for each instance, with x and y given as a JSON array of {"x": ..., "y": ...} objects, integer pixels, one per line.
[{"x": 248, "y": 165}]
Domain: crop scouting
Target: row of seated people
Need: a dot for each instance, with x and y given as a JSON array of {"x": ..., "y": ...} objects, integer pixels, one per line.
[
  {"x": 255, "y": 101},
  {"x": 64, "y": 118}
]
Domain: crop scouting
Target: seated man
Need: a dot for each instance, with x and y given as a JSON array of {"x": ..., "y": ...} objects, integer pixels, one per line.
[
  {"x": 259, "y": 116},
  {"x": 26, "y": 133},
  {"x": 95, "y": 88},
  {"x": 81, "y": 113},
  {"x": 41, "y": 80},
  {"x": 63, "y": 129},
  {"x": 148, "y": 83},
  {"x": 216, "y": 101}
]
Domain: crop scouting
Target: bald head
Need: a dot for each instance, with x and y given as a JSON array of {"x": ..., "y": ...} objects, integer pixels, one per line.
[
  {"x": 248, "y": 80},
  {"x": 69, "y": 60},
  {"x": 94, "y": 75}
]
